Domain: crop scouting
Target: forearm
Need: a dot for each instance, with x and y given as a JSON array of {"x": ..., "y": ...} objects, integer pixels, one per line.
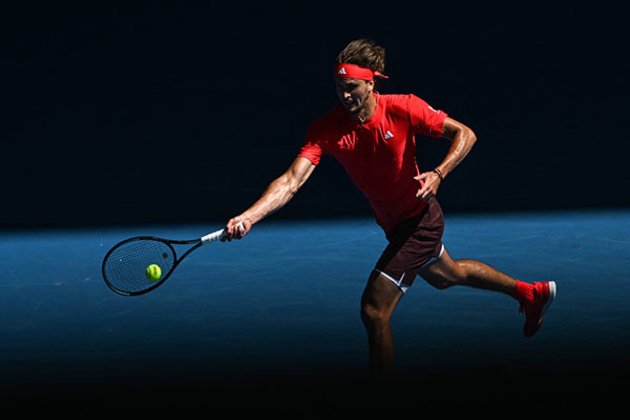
[{"x": 276, "y": 196}]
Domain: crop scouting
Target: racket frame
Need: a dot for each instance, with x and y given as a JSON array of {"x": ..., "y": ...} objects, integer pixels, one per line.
[{"x": 168, "y": 242}]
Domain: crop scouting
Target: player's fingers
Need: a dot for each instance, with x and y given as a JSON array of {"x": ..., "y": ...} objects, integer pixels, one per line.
[
  {"x": 229, "y": 230},
  {"x": 424, "y": 193},
  {"x": 241, "y": 228},
  {"x": 423, "y": 189},
  {"x": 421, "y": 179},
  {"x": 238, "y": 229},
  {"x": 234, "y": 233}
]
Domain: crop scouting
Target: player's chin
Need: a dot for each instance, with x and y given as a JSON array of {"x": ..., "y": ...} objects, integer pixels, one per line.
[{"x": 350, "y": 106}]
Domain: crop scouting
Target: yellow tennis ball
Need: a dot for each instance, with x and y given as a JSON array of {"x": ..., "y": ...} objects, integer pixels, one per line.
[{"x": 154, "y": 272}]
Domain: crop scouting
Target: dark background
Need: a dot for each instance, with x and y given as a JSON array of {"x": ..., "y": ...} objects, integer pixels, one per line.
[{"x": 164, "y": 114}]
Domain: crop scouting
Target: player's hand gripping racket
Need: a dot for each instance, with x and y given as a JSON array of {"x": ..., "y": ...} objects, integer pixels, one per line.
[{"x": 129, "y": 266}]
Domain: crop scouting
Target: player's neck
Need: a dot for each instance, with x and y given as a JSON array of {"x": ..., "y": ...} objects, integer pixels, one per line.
[{"x": 367, "y": 110}]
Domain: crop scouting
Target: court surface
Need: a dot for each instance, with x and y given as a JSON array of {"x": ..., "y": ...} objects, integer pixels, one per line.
[{"x": 280, "y": 310}]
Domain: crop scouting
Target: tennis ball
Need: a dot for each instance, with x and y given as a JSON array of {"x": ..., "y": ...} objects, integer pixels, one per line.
[{"x": 154, "y": 272}]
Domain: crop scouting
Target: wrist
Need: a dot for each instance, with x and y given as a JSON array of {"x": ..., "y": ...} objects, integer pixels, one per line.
[
  {"x": 438, "y": 172},
  {"x": 246, "y": 217}
]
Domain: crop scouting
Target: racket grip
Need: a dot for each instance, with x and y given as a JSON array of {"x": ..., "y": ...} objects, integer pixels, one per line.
[
  {"x": 213, "y": 236},
  {"x": 218, "y": 234}
]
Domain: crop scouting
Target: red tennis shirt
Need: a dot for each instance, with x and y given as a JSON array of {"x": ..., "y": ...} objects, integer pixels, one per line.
[{"x": 380, "y": 154}]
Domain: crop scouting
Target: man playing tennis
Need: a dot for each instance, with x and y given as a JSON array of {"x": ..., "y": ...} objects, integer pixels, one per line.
[{"x": 373, "y": 137}]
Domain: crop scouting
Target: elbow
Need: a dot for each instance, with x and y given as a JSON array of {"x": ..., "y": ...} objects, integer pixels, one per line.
[
  {"x": 292, "y": 185},
  {"x": 293, "y": 189},
  {"x": 289, "y": 186},
  {"x": 295, "y": 185},
  {"x": 472, "y": 137}
]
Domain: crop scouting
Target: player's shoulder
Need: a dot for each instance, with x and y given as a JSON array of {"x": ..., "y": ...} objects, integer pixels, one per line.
[
  {"x": 332, "y": 113},
  {"x": 326, "y": 124},
  {"x": 329, "y": 119},
  {"x": 399, "y": 99},
  {"x": 399, "y": 102}
]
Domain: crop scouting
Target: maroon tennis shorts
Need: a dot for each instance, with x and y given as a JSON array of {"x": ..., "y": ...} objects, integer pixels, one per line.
[{"x": 412, "y": 244}]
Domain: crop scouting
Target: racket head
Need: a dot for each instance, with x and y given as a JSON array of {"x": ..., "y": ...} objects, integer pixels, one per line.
[{"x": 124, "y": 265}]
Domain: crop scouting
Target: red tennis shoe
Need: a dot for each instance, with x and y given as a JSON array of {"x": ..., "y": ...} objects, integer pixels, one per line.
[{"x": 534, "y": 310}]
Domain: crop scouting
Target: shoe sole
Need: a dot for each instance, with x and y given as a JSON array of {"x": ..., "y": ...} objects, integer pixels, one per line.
[{"x": 550, "y": 299}]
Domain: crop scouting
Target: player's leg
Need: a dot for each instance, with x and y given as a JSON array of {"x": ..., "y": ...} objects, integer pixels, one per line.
[
  {"x": 443, "y": 272},
  {"x": 378, "y": 302},
  {"x": 535, "y": 298},
  {"x": 410, "y": 244}
]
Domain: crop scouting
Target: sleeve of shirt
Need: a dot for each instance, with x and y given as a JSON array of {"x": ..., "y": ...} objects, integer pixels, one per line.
[
  {"x": 312, "y": 146},
  {"x": 425, "y": 120}
]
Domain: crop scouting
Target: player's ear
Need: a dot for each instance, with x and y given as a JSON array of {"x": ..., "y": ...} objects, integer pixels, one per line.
[{"x": 370, "y": 85}]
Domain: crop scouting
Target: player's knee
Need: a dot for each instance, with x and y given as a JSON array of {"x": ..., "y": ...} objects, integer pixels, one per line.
[
  {"x": 441, "y": 283},
  {"x": 444, "y": 279},
  {"x": 373, "y": 316}
]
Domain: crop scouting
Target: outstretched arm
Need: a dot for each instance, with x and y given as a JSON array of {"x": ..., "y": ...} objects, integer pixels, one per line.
[
  {"x": 276, "y": 195},
  {"x": 462, "y": 139}
]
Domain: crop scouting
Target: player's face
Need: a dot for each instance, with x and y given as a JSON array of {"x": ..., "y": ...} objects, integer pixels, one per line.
[{"x": 353, "y": 93}]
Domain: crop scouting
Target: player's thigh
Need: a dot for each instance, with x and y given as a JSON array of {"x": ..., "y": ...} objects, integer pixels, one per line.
[
  {"x": 380, "y": 296},
  {"x": 442, "y": 272}
]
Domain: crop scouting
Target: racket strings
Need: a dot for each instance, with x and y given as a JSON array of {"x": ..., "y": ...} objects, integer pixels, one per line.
[{"x": 125, "y": 267}]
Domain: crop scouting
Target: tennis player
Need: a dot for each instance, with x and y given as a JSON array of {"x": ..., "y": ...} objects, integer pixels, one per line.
[{"x": 372, "y": 136}]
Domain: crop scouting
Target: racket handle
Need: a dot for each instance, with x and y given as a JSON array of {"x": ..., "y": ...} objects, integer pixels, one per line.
[
  {"x": 213, "y": 236},
  {"x": 218, "y": 234}
]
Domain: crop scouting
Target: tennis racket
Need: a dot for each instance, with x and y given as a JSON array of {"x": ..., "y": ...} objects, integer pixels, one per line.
[{"x": 125, "y": 264}]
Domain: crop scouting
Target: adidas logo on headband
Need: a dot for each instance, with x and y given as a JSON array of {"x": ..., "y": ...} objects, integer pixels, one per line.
[{"x": 353, "y": 71}]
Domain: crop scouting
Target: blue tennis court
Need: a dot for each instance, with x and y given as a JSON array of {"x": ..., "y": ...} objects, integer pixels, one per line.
[{"x": 280, "y": 310}]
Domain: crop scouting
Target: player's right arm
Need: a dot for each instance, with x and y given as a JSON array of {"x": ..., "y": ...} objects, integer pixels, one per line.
[{"x": 277, "y": 194}]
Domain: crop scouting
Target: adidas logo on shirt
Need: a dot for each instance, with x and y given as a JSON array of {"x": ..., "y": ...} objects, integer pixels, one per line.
[{"x": 388, "y": 135}]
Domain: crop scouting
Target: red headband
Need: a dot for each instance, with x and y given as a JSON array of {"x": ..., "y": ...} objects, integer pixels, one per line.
[{"x": 352, "y": 71}]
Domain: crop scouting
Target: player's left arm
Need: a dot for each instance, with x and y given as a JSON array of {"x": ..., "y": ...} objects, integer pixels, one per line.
[{"x": 462, "y": 139}]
